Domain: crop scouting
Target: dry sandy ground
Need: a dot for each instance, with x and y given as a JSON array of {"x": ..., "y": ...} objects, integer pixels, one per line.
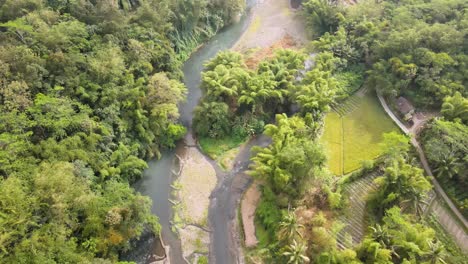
[
  {"x": 194, "y": 240},
  {"x": 196, "y": 181},
  {"x": 248, "y": 206},
  {"x": 272, "y": 21}
]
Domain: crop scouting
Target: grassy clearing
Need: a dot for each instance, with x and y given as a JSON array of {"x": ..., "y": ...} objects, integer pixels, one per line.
[
  {"x": 332, "y": 140},
  {"x": 361, "y": 128},
  {"x": 216, "y": 147},
  {"x": 226, "y": 160}
]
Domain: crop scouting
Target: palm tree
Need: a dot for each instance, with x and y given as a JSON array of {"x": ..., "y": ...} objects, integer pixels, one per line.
[
  {"x": 381, "y": 235},
  {"x": 317, "y": 91},
  {"x": 448, "y": 166},
  {"x": 257, "y": 90},
  {"x": 455, "y": 107},
  {"x": 289, "y": 228},
  {"x": 436, "y": 252},
  {"x": 414, "y": 202},
  {"x": 228, "y": 58},
  {"x": 295, "y": 253},
  {"x": 224, "y": 83}
]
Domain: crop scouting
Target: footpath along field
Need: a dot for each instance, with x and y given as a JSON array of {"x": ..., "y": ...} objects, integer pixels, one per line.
[{"x": 353, "y": 132}]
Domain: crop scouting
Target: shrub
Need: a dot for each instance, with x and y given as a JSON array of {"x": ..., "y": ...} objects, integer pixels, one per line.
[
  {"x": 211, "y": 120},
  {"x": 268, "y": 211},
  {"x": 319, "y": 219}
]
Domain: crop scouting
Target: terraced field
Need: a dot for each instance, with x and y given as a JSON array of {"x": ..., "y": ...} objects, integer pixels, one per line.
[
  {"x": 348, "y": 106},
  {"x": 354, "y": 217},
  {"x": 353, "y": 132},
  {"x": 355, "y": 221}
]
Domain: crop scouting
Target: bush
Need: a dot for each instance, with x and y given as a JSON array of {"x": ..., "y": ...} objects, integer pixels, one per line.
[
  {"x": 334, "y": 198},
  {"x": 247, "y": 125},
  {"x": 212, "y": 120},
  {"x": 268, "y": 211},
  {"x": 319, "y": 219},
  {"x": 202, "y": 260}
]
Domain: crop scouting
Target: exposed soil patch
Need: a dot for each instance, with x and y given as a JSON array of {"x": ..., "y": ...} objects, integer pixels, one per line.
[
  {"x": 248, "y": 206},
  {"x": 254, "y": 56},
  {"x": 272, "y": 21}
]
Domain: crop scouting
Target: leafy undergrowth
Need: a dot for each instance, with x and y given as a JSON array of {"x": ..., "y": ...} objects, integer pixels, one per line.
[
  {"x": 215, "y": 148},
  {"x": 457, "y": 193},
  {"x": 254, "y": 255},
  {"x": 455, "y": 254},
  {"x": 356, "y": 135},
  {"x": 262, "y": 234}
]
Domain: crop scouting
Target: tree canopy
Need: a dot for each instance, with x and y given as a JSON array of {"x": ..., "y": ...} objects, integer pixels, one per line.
[{"x": 88, "y": 91}]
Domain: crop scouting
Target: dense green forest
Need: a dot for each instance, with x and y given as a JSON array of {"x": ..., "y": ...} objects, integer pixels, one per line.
[
  {"x": 446, "y": 145},
  {"x": 88, "y": 90},
  {"x": 412, "y": 48}
]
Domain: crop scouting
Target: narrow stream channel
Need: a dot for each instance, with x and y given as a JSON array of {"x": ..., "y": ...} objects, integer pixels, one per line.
[{"x": 157, "y": 179}]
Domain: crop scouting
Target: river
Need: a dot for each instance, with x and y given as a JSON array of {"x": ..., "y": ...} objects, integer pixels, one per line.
[{"x": 157, "y": 179}]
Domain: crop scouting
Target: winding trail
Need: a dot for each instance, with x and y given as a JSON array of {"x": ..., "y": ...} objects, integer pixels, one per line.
[{"x": 456, "y": 227}]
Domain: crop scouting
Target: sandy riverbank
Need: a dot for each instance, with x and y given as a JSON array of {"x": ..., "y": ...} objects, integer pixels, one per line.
[
  {"x": 272, "y": 21},
  {"x": 249, "y": 204},
  {"x": 192, "y": 189}
]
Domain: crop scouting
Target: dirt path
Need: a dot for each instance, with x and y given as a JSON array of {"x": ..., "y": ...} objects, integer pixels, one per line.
[
  {"x": 392, "y": 115},
  {"x": 419, "y": 120}
]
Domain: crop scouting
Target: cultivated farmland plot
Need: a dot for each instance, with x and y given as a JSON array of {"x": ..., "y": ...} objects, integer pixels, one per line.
[
  {"x": 354, "y": 218},
  {"x": 353, "y": 132}
]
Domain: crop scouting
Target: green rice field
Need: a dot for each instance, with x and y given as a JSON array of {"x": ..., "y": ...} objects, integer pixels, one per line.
[{"x": 353, "y": 131}]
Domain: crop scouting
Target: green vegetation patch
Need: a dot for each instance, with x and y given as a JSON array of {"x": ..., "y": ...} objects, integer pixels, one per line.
[
  {"x": 333, "y": 142},
  {"x": 262, "y": 234},
  {"x": 446, "y": 147},
  {"x": 216, "y": 147},
  {"x": 355, "y": 136},
  {"x": 455, "y": 253}
]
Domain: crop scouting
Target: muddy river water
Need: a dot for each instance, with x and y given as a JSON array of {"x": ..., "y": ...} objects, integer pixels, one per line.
[{"x": 158, "y": 178}]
